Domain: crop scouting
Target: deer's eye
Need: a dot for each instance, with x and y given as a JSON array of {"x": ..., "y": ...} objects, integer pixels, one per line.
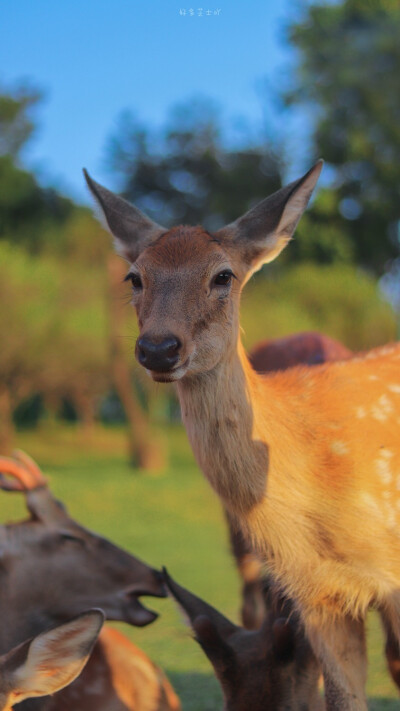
[
  {"x": 223, "y": 278},
  {"x": 134, "y": 279},
  {"x": 66, "y": 536}
]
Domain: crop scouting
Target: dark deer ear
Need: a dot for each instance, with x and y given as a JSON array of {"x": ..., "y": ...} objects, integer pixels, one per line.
[
  {"x": 283, "y": 640},
  {"x": 213, "y": 644},
  {"x": 44, "y": 507},
  {"x": 131, "y": 229},
  {"x": 265, "y": 230}
]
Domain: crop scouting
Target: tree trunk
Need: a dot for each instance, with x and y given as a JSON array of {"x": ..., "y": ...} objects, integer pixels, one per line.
[
  {"x": 7, "y": 430},
  {"x": 144, "y": 453},
  {"x": 85, "y": 409}
]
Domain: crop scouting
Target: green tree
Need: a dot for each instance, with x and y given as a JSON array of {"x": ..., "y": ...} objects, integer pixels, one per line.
[
  {"x": 28, "y": 323},
  {"x": 349, "y": 63},
  {"x": 339, "y": 300},
  {"x": 184, "y": 172},
  {"x": 26, "y": 208}
]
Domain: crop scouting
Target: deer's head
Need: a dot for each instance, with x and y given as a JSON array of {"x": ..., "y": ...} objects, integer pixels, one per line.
[
  {"x": 56, "y": 568},
  {"x": 270, "y": 669},
  {"x": 186, "y": 282}
]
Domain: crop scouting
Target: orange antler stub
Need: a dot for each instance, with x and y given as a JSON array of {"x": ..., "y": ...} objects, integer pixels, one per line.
[
  {"x": 30, "y": 465},
  {"x": 26, "y": 474}
]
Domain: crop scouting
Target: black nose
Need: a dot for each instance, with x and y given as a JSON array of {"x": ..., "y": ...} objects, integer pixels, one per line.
[{"x": 158, "y": 356}]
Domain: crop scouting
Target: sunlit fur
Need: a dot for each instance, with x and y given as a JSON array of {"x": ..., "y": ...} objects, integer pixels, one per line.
[
  {"x": 118, "y": 677},
  {"x": 183, "y": 301},
  {"x": 302, "y": 458},
  {"x": 307, "y": 461}
]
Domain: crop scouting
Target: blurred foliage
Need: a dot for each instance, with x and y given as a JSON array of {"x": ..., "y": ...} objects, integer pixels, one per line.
[
  {"x": 60, "y": 350},
  {"x": 56, "y": 336},
  {"x": 347, "y": 79},
  {"x": 184, "y": 173},
  {"x": 16, "y": 122},
  {"x": 340, "y": 301},
  {"x": 27, "y": 210}
]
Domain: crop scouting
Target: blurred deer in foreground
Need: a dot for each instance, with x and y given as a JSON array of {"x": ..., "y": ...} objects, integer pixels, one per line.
[
  {"x": 48, "y": 662},
  {"x": 270, "y": 669},
  {"x": 307, "y": 460},
  {"x": 52, "y": 569}
]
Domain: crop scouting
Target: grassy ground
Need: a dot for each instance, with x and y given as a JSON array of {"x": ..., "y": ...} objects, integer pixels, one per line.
[{"x": 172, "y": 519}]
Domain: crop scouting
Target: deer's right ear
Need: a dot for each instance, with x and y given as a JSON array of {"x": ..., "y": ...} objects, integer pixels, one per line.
[
  {"x": 265, "y": 230},
  {"x": 131, "y": 229}
]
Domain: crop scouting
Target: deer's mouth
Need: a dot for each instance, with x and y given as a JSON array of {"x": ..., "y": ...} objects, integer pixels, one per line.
[
  {"x": 135, "y": 613},
  {"x": 169, "y": 376},
  {"x": 133, "y": 610}
]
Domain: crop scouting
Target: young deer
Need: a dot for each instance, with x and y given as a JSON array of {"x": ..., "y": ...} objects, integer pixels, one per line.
[
  {"x": 306, "y": 460},
  {"x": 51, "y": 569},
  {"x": 269, "y": 669},
  {"x": 48, "y": 662}
]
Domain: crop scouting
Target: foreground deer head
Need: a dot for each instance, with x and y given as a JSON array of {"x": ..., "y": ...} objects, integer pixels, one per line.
[
  {"x": 58, "y": 568},
  {"x": 186, "y": 282},
  {"x": 48, "y": 662},
  {"x": 52, "y": 568},
  {"x": 271, "y": 669}
]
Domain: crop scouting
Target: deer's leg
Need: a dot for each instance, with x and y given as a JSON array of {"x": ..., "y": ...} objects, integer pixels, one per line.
[
  {"x": 390, "y": 616},
  {"x": 392, "y": 649},
  {"x": 340, "y": 646}
]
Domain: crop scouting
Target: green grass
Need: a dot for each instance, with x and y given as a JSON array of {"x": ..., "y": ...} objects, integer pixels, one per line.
[{"x": 173, "y": 519}]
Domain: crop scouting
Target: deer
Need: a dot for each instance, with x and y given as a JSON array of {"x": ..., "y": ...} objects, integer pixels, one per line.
[
  {"x": 52, "y": 568},
  {"x": 272, "y": 668},
  {"x": 50, "y": 661},
  {"x": 308, "y": 348},
  {"x": 304, "y": 348},
  {"x": 306, "y": 460}
]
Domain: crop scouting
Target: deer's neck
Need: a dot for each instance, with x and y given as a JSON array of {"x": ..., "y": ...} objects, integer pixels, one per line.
[{"x": 223, "y": 421}]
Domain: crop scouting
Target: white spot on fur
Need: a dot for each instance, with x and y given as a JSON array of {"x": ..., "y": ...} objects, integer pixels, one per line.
[
  {"x": 390, "y": 515},
  {"x": 395, "y": 389},
  {"x": 372, "y": 505},
  {"x": 383, "y": 467},
  {"x": 382, "y": 410},
  {"x": 386, "y": 454},
  {"x": 339, "y": 447},
  {"x": 372, "y": 377},
  {"x": 361, "y": 412}
]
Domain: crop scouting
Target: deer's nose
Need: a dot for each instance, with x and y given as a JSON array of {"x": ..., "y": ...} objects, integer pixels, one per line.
[{"x": 160, "y": 356}]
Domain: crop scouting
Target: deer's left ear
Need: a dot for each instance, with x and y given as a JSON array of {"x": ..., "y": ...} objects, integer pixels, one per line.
[
  {"x": 264, "y": 231},
  {"x": 132, "y": 230}
]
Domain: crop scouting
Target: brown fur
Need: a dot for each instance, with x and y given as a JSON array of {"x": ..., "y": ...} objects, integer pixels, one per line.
[
  {"x": 118, "y": 677},
  {"x": 309, "y": 455},
  {"x": 270, "y": 669},
  {"x": 49, "y": 661},
  {"x": 54, "y": 568},
  {"x": 307, "y": 348}
]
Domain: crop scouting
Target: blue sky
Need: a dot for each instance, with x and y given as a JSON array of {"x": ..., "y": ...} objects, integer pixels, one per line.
[{"x": 94, "y": 59}]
